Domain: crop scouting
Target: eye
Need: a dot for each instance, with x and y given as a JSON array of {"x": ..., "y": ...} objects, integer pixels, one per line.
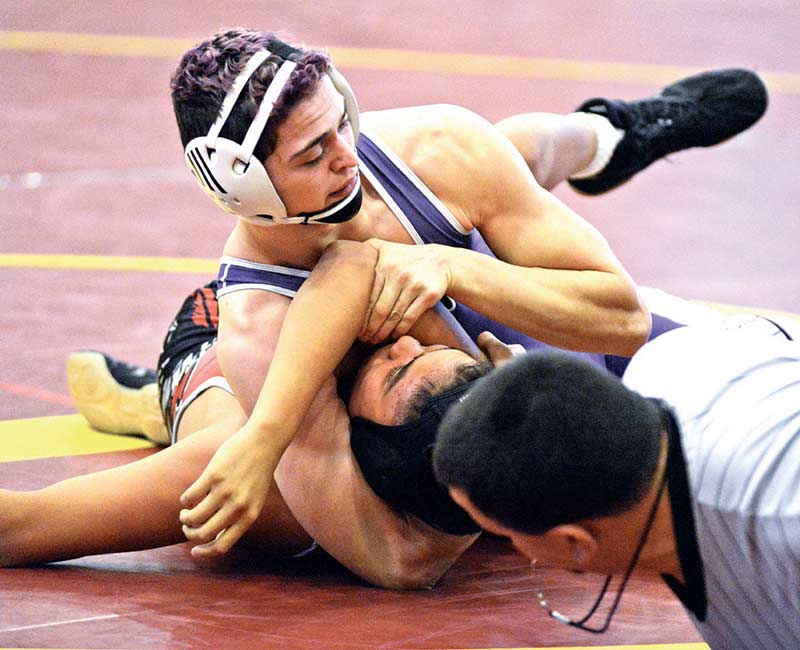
[
  {"x": 390, "y": 375},
  {"x": 344, "y": 123},
  {"x": 313, "y": 161}
]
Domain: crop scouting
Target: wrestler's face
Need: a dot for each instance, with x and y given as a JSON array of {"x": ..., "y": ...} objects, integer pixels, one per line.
[
  {"x": 314, "y": 164},
  {"x": 390, "y": 376}
]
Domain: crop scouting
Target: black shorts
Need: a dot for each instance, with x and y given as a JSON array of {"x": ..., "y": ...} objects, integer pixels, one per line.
[{"x": 192, "y": 332}]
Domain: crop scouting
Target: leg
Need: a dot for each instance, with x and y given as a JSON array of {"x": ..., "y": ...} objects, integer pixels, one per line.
[
  {"x": 132, "y": 507},
  {"x": 554, "y": 146},
  {"x": 607, "y": 142},
  {"x": 699, "y": 111}
]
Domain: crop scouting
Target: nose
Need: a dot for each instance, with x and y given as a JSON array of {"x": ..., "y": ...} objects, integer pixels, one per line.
[
  {"x": 345, "y": 157},
  {"x": 406, "y": 347}
]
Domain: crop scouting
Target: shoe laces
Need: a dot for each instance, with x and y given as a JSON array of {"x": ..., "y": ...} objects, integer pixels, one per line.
[{"x": 658, "y": 118}]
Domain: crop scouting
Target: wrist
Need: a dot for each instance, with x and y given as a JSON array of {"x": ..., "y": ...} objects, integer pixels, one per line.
[
  {"x": 445, "y": 258},
  {"x": 266, "y": 435}
]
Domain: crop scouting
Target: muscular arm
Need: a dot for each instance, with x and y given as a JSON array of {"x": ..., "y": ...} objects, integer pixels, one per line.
[
  {"x": 555, "y": 279},
  {"x": 318, "y": 474},
  {"x": 325, "y": 490},
  {"x": 319, "y": 328}
]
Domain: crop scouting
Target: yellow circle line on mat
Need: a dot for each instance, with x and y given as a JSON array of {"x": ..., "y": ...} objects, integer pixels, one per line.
[
  {"x": 59, "y": 435},
  {"x": 388, "y": 59},
  {"x": 110, "y": 263}
]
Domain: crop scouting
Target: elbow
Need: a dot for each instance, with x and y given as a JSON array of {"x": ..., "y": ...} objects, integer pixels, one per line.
[
  {"x": 635, "y": 330},
  {"x": 412, "y": 575},
  {"x": 356, "y": 254},
  {"x": 422, "y": 563}
]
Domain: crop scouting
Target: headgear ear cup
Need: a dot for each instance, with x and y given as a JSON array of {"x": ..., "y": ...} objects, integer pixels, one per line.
[
  {"x": 229, "y": 173},
  {"x": 350, "y": 103}
]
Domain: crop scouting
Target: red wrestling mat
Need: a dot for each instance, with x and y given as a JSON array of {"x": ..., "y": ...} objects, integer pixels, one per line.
[{"x": 91, "y": 166}]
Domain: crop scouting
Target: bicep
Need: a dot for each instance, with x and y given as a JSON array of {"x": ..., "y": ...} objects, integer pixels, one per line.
[{"x": 526, "y": 225}]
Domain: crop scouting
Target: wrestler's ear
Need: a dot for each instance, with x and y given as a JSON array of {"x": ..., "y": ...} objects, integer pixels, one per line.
[
  {"x": 573, "y": 546},
  {"x": 498, "y": 352}
]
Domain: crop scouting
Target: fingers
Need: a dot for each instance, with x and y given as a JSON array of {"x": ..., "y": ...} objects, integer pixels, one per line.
[
  {"x": 408, "y": 280},
  {"x": 387, "y": 309},
  {"x": 223, "y": 543},
  {"x": 202, "y": 513},
  {"x": 396, "y": 314},
  {"x": 498, "y": 352},
  {"x": 216, "y": 534},
  {"x": 418, "y": 306},
  {"x": 197, "y": 491},
  {"x": 214, "y": 518},
  {"x": 396, "y": 311},
  {"x": 371, "y": 323}
]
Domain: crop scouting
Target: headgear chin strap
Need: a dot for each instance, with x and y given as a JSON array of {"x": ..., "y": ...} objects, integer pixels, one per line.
[{"x": 234, "y": 178}]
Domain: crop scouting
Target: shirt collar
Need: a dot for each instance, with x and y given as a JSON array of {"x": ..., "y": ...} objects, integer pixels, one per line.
[{"x": 693, "y": 593}]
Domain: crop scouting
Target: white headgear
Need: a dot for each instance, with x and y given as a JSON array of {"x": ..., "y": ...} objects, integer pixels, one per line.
[{"x": 229, "y": 172}]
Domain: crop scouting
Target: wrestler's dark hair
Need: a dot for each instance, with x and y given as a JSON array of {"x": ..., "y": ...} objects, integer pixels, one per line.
[
  {"x": 429, "y": 389},
  {"x": 549, "y": 439},
  {"x": 208, "y": 70}
]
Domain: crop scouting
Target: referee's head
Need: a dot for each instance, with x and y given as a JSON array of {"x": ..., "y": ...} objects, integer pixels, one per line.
[{"x": 547, "y": 440}]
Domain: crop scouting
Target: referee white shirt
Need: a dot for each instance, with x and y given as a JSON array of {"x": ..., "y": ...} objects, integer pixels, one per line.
[{"x": 736, "y": 396}]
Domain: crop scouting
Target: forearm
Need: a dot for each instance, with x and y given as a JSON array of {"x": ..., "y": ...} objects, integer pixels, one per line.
[
  {"x": 438, "y": 326},
  {"x": 320, "y": 327},
  {"x": 587, "y": 310},
  {"x": 125, "y": 508}
]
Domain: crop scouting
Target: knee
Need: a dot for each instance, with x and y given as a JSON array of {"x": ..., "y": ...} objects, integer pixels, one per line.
[{"x": 533, "y": 136}]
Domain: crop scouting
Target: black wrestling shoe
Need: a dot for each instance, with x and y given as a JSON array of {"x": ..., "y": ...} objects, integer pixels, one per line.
[
  {"x": 115, "y": 396},
  {"x": 699, "y": 111}
]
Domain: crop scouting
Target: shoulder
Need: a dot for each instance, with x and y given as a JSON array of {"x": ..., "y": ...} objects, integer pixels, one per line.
[
  {"x": 250, "y": 320},
  {"x": 437, "y": 132},
  {"x": 735, "y": 394},
  {"x": 457, "y": 153},
  {"x": 402, "y": 120}
]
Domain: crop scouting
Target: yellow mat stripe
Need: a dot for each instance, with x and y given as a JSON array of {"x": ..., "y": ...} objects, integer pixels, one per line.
[
  {"x": 111, "y": 263},
  {"x": 62, "y": 435},
  {"x": 388, "y": 59}
]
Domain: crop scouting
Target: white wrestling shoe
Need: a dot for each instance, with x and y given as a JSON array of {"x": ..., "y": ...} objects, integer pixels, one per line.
[{"x": 116, "y": 397}]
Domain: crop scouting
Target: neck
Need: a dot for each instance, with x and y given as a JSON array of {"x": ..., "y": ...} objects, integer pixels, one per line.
[
  {"x": 302, "y": 245},
  {"x": 660, "y": 552},
  {"x": 289, "y": 245}
]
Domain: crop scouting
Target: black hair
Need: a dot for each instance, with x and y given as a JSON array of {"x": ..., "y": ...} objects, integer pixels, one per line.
[
  {"x": 207, "y": 71},
  {"x": 549, "y": 439},
  {"x": 429, "y": 389}
]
